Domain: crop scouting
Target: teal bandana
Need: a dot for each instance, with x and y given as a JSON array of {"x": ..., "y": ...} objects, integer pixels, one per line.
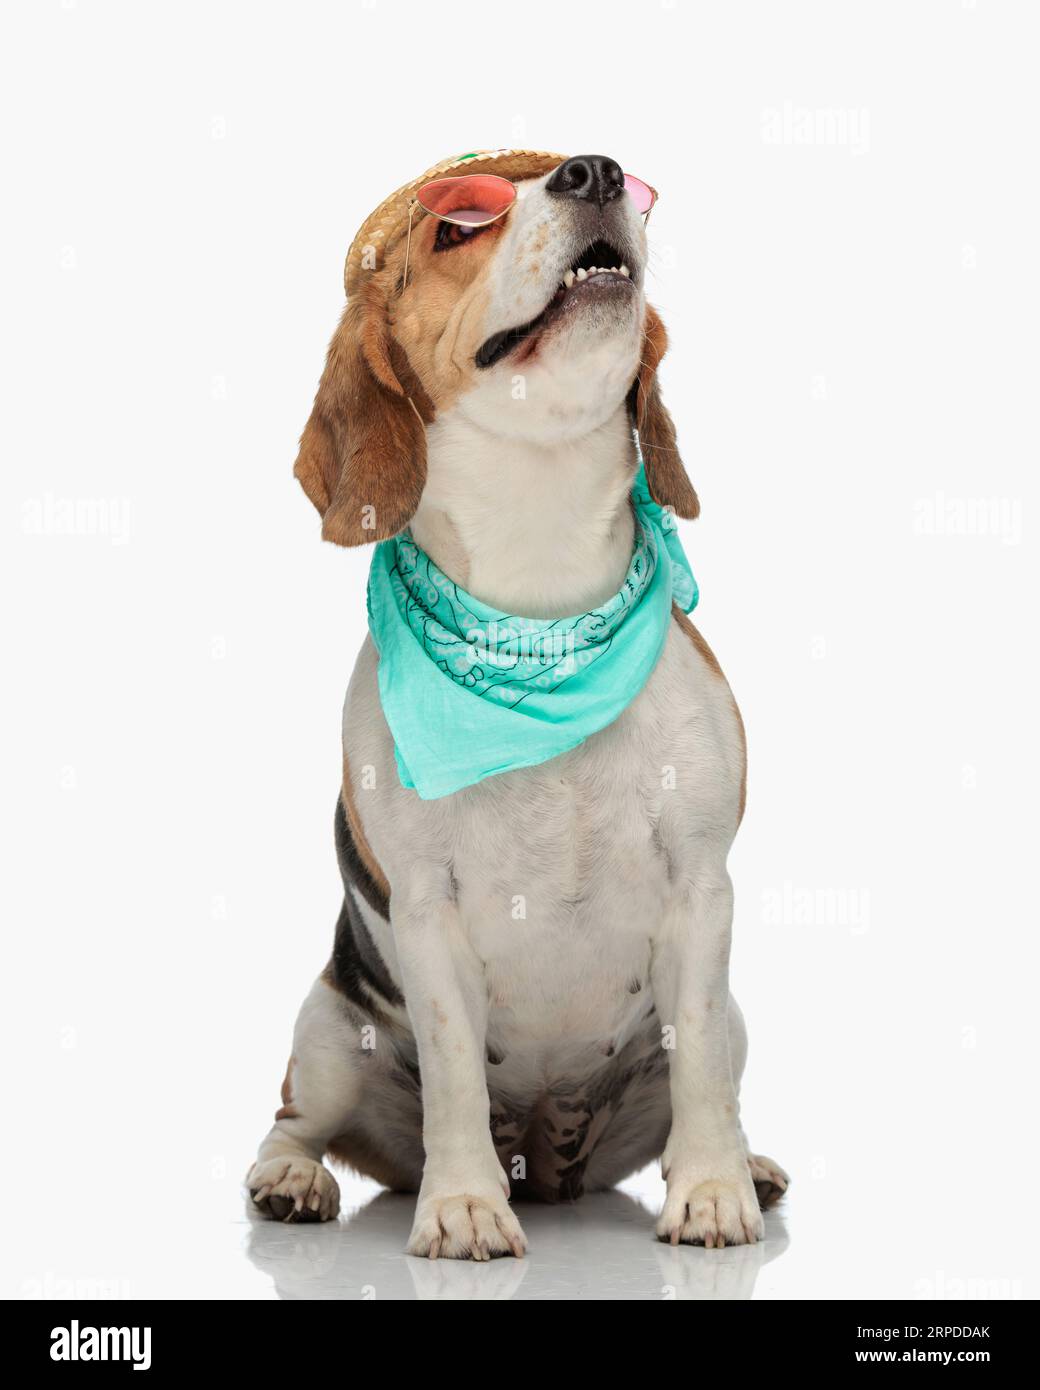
[{"x": 469, "y": 692}]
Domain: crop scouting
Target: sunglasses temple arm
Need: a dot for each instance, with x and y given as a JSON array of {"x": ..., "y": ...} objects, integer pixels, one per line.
[{"x": 408, "y": 246}]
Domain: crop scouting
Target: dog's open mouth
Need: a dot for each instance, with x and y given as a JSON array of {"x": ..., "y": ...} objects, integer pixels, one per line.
[{"x": 600, "y": 268}]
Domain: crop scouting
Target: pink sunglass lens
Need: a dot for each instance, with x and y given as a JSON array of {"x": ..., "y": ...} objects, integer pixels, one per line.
[
  {"x": 469, "y": 215},
  {"x": 469, "y": 199},
  {"x": 641, "y": 193}
]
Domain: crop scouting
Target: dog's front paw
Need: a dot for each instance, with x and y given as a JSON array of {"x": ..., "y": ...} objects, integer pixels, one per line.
[
  {"x": 710, "y": 1211},
  {"x": 771, "y": 1182},
  {"x": 465, "y": 1228},
  {"x": 293, "y": 1189}
]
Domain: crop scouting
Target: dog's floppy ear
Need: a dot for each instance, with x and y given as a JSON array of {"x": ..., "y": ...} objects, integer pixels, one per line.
[
  {"x": 669, "y": 485},
  {"x": 362, "y": 458}
]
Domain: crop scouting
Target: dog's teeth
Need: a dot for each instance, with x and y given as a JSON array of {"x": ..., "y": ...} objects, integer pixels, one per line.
[{"x": 586, "y": 272}]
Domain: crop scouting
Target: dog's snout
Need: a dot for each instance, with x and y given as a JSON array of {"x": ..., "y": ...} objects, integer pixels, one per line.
[{"x": 594, "y": 177}]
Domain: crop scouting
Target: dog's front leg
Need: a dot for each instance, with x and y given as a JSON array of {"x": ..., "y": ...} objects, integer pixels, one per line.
[
  {"x": 711, "y": 1198},
  {"x": 463, "y": 1209}
]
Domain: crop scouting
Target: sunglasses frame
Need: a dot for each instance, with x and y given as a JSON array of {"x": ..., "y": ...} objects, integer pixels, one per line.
[
  {"x": 654, "y": 195},
  {"x": 416, "y": 202}
]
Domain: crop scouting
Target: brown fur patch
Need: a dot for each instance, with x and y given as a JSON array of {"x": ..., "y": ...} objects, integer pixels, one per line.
[
  {"x": 710, "y": 659},
  {"x": 698, "y": 641},
  {"x": 287, "y": 1083},
  {"x": 397, "y": 357},
  {"x": 358, "y": 835},
  {"x": 438, "y": 318},
  {"x": 287, "y": 1111},
  {"x": 667, "y": 478},
  {"x": 362, "y": 459}
]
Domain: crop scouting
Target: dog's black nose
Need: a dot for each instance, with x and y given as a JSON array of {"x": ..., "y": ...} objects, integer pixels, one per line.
[{"x": 591, "y": 176}]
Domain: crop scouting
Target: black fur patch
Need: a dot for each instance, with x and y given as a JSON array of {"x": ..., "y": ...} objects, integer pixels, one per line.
[
  {"x": 356, "y": 968},
  {"x": 352, "y": 867}
]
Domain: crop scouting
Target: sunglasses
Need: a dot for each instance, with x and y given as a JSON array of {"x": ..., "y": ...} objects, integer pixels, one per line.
[{"x": 477, "y": 200}]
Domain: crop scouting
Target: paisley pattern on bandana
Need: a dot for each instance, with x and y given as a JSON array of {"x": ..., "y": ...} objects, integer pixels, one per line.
[
  {"x": 507, "y": 658},
  {"x": 469, "y": 691}
]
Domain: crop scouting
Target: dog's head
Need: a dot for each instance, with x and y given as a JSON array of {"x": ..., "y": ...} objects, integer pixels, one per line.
[{"x": 534, "y": 326}]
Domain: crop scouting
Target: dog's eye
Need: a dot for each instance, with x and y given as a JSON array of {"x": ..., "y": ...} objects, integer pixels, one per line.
[{"x": 451, "y": 234}]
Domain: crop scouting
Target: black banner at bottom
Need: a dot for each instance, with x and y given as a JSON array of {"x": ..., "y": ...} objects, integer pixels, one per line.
[{"x": 174, "y": 1339}]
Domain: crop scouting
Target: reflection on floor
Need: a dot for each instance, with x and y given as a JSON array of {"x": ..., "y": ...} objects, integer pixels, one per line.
[{"x": 599, "y": 1248}]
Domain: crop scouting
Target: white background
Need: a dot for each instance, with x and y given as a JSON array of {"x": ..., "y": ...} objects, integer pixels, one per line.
[{"x": 854, "y": 365}]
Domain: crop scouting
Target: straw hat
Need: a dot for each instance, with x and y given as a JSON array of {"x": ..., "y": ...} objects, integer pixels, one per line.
[{"x": 390, "y": 220}]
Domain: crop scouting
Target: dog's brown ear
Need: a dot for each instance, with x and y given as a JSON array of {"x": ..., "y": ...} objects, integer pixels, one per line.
[
  {"x": 669, "y": 485},
  {"x": 362, "y": 458}
]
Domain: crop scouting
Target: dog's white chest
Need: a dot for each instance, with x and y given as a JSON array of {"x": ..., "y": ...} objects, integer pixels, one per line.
[
  {"x": 560, "y": 884},
  {"x": 561, "y": 873}
]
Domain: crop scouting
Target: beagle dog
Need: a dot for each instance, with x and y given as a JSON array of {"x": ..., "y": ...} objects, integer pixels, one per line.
[{"x": 528, "y": 993}]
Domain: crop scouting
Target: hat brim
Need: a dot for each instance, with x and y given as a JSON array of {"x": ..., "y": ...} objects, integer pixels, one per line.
[{"x": 383, "y": 228}]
